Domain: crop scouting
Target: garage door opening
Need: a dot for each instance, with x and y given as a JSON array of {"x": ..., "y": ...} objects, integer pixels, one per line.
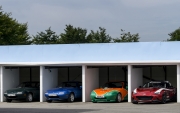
[
  {"x": 156, "y": 73},
  {"x": 97, "y": 76},
  {"x": 54, "y": 76},
  {"x": 15, "y": 75}
]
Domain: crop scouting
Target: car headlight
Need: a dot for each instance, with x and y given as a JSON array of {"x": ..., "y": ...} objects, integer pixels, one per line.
[
  {"x": 157, "y": 92},
  {"x": 5, "y": 92},
  {"x": 109, "y": 94},
  {"x": 61, "y": 93},
  {"x": 135, "y": 91},
  {"x": 19, "y": 92}
]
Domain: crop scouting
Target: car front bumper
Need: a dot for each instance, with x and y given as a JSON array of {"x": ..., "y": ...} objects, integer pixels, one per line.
[
  {"x": 146, "y": 99},
  {"x": 16, "y": 96}
]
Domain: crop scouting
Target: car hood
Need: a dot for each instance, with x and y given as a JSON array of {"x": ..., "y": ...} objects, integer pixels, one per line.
[
  {"x": 104, "y": 91},
  {"x": 147, "y": 89},
  {"x": 58, "y": 89},
  {"x": 15, "y": 90}
]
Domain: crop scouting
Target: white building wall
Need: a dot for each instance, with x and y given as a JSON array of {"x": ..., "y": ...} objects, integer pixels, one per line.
[
  {"x": 0, "y": 80},
  {"x": 9, "y": 80},
  {"x": 48, "y": 80},
  {"x": 135, "y": 79},
  {"x": 90, "y": 81},
  {"x": 178, "y": 83}
]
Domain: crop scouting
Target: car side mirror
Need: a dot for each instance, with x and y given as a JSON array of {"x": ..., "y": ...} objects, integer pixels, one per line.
[
  {"x": 80, "y": 87},
  {"x": 140, "y": 86}
]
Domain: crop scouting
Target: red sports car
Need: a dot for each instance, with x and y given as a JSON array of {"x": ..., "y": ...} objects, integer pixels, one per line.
[{"x": 154, "y": 91}]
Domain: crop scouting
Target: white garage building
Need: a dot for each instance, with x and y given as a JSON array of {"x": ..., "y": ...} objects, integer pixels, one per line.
[{"x": 93, "y": 64}]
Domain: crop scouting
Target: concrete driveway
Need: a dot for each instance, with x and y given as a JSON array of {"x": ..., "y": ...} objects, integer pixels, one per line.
[{"x": 88, "y": 107}]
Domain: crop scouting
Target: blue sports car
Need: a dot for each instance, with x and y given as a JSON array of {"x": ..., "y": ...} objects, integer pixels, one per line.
[{"x": 66, "y": 91}]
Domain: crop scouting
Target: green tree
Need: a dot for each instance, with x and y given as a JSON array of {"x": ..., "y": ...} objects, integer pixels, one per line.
[
  {"x": 127, "y": 37},
  {"x": 12, "y": 32},
  {"x": 99, "y": 36},
  {"x": 47, "y": 37},
  {"x": 175, "y": 35},
  {"x": 73, "y": 35}
]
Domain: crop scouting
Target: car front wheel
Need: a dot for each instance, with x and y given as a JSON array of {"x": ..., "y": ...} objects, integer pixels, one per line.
[
  {"x": 71, "y": 97},
  {"x": 163, "y": 101},
  {"x": 29, "y": 97},
  {"x": 118, "y": 98}
]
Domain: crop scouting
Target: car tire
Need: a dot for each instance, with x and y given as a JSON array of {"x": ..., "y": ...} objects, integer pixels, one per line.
[
  {"x": 48, "y": 101},
  {"x": 29, "y": 97},
  {"x": 8, "y": 100},
  {"x": 118, "y": 98},
  {"x": 71, "y": 97},
  {"x": 135, "y": 102},
  {"x": 163, "y": 101}
]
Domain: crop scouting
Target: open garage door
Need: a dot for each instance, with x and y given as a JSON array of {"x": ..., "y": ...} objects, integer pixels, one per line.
[
  {"x": 12, "y": 76},
  {"x": 97, "y": 76},
  {"x": 151, "y": 73},
  {"x": 53, "y": 76}
]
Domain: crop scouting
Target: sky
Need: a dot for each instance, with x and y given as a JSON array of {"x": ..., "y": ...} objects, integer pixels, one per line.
[{"x": 152, "y": 19}]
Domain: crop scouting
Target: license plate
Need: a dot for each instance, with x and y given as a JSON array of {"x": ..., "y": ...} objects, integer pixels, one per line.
[
  {"x": 11, "y": 95},
  {"x": 99, "y": 96},
  {"x": 52, "y": 95}
]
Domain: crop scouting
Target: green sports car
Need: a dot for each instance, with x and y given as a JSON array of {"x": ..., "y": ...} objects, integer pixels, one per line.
[
  {"x": 115, "y": 91},
  {"x": 28, "y": 91}
]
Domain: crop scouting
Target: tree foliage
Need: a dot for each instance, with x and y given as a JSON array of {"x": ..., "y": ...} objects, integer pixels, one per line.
[
  {"x": 12, "y": 32},
  {"x": 47, "y": 37},
  {"x": 175, "y": 35},
  {"x": 127, "y": 37},
  {"x": 73, "y": 35},
  {"x": 99, "y": 36}
]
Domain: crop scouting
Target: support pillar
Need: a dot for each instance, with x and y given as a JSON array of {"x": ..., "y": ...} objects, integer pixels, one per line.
[
  {"x": 135, "y": 79},
  {"x": 90, "y": 81},
  {"x": 178, "y": 83}
]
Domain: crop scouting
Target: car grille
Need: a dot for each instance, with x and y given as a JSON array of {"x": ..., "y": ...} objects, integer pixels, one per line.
[
  {"x": 12, "y": 97},
  {"x": 53, "y": 96},
  {"x": 144, "y": 97}
]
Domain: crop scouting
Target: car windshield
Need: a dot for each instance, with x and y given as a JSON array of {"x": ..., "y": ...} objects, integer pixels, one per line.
[
  {"x": 155, "y": 85},
  {"x": 113, "y": 85},
  {"x": 67, "y": 84}
]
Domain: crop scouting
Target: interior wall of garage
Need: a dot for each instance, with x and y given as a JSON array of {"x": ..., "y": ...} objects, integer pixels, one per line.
[
  {"x": 115, "y": 74},
  {"x": 48, "y": 80},
  {"x": 24, "y": 74},
  {"x": 135, "y": 79},
  {"x": 9, "y": 80},
  {"x": 75, "y": 74},
  {"x": 159, "y": 74},
  {"x": 90, "y": 82}
]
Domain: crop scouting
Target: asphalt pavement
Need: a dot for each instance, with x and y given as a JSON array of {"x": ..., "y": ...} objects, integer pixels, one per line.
[{"x": 88, "y": 107}]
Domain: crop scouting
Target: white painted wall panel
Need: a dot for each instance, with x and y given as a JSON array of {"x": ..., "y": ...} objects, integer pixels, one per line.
[
  {"x": 178, "y": 83},
  {"x": 90, "y": 81},
  {"x": 135, "y": 79},
  {"x": 0, "y": 81},
  {"x": 10, "y": 79},
  {"x": 48, "y": 80}
]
